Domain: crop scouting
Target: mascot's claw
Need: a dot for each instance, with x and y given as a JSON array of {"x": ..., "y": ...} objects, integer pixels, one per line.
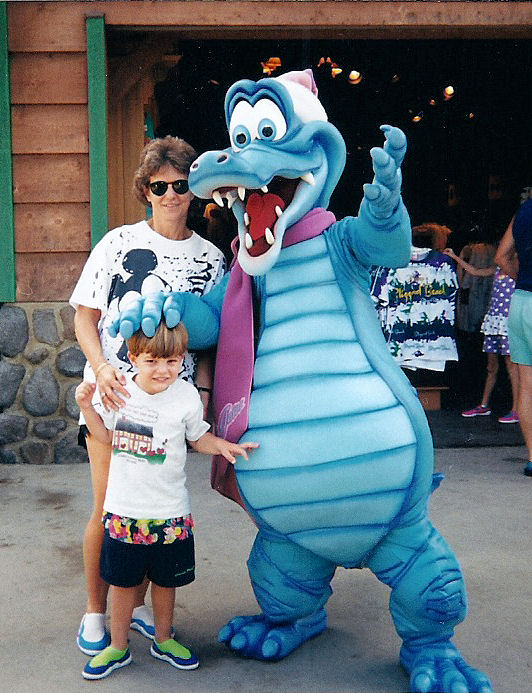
[
  {"x": 146, "y": 312},
  {"x": 395, "y": 144},
  {"x": 257, "y": 637},
  {"x": 384, "y": 193},
  {"x": 442, "y": 669}
]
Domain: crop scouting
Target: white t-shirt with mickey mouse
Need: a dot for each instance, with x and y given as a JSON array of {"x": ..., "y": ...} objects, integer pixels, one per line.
[{"x": 134, "y": 260}]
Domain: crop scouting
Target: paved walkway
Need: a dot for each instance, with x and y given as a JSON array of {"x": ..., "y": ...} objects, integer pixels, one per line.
[{"x": 483, "y": 508}]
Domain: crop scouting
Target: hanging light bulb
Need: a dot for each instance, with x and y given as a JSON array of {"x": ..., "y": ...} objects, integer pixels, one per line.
[
  {"x": 470, "y": 116},
  {"x": 448, "y": 92},
  {"x": 355, "y": 77},
  {"x": 335, "y": 70},
  {"x": 270, "y": 65},
  {"x": 417, "y": 117},
  {"x": 395, "y": 78},
  {"x": 432, "y": 102}
]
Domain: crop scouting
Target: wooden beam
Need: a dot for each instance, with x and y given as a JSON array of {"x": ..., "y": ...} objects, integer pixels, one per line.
[
  {"x": 50, "y": 178},
  {"x": 52, "y": 227},
  {"x": 97, "y": 127},
  {"x": 49, "y": 129},
  {"x": 47, "y": 276},
  {"x": 46, "y": 26},
  {"x": 513, "y": 18},
  {"x": 7, "y": 275},
  {"x": 48, "y": 78},
  {"x": 49, "y": 26}
]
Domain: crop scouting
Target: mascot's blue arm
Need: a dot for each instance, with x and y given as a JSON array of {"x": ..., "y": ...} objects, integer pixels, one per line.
[
  {"x": 199, "y": 314},
  {"x": 376, "y": 241}
]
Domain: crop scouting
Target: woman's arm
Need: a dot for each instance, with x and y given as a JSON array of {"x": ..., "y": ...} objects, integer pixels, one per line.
[
  {"x": 110, "y": 381},
  {"x": 475, "y": 271},
  {"x": 506, "y": 257},
  {"x": 204, "y": 370}
]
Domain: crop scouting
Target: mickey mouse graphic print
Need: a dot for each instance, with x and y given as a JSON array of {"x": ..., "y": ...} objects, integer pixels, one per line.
[{"x": 134, "y": 260}]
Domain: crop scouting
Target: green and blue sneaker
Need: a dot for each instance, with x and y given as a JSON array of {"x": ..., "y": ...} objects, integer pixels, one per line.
[
  {"x": 175, "y": 654},
  {"x": 106, "y": 662}
]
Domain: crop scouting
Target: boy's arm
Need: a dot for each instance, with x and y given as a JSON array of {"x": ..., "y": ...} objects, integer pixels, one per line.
[
  {"x": 93, "y": 420},
  {"x": 209, "y": 444}
]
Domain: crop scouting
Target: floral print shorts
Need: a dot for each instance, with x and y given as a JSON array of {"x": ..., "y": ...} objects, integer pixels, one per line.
[{"x": 145, "y": 531}]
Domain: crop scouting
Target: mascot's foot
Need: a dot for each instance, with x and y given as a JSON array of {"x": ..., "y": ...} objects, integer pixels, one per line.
[
  {"x": 257, "y": 637},
  {"x": 438, "y": 667}
]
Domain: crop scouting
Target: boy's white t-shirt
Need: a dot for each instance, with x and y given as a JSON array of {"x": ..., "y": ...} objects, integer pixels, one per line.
[
  {"x": 147, "y": 470},
  {"x": 134, "y": 260}
]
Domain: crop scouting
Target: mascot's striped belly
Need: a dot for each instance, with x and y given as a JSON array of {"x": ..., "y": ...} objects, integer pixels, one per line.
[{"x": 337, "y": 449}]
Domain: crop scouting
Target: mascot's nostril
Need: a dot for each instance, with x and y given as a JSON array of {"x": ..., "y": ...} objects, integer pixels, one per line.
[
  {"x": 194, "y": 166},
  {"x": 221, "y": 158}
]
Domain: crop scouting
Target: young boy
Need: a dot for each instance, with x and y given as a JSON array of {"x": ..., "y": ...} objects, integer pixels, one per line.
[{"x": 148, "y": 526}]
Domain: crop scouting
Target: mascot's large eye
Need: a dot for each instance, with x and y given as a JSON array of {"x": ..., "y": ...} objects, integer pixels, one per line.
[
  {"x": 241, "y": 136},
  {"x": 242, "y": 126},
  {"x": 272, "y": 125}
]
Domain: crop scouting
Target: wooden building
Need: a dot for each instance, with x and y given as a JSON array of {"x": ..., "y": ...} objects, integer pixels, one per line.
[
  {"x": 72, "y": 120},
  {"x": 76, "y": 120}
]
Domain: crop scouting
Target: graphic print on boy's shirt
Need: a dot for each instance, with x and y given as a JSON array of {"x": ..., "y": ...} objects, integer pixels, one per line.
[{"x": 134, "y": 439}]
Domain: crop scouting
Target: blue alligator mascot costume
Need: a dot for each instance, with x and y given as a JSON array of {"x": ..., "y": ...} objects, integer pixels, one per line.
[{"x": 344, "y": 467}]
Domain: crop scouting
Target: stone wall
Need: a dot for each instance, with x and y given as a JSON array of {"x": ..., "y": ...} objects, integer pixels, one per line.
[{"x": 40, "y": 367}]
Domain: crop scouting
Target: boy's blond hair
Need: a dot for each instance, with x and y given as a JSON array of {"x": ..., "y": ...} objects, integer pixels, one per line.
[{"x": 164, "y": 344}]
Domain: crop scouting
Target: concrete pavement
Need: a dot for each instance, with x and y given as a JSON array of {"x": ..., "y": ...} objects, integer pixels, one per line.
[{"x": 483, "y": 509}]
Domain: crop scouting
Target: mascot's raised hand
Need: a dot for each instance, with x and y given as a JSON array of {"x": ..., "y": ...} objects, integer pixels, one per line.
[
  {"x": 384, "y": 193},
  {"x": 344, "y": 466}
]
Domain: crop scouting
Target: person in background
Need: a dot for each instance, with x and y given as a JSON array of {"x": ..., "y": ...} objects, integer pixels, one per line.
[
  {"x": 495, "y": 331},
  {"x": 518, "y": 241},
  {"x": 163, "y": 253}
]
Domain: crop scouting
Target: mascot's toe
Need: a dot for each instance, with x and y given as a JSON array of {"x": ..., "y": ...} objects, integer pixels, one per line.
[
  {"x": 259, "y": 638},
  {"x": 441, "y": 669}
]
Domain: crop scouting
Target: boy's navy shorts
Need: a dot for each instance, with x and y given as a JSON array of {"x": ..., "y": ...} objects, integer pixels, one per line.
[{"x": 166, "y": 565}]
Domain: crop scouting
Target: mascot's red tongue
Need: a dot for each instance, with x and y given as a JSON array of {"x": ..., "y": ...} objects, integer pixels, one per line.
[{"x": 261, "y": 211}]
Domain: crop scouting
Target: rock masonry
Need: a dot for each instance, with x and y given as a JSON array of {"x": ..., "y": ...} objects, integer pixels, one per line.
[{"x": 40, "y": 366}]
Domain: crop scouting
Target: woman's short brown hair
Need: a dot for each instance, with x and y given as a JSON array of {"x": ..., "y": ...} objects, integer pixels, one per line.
[
  {"x": 156, "y": 154},
  {"x": 164, "y": 344}
]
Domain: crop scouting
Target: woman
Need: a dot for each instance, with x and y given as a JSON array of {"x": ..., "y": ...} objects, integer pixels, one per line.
[
  {"x": 494, "y": 327},
  {"x": 518, "y": 240},
  {"x": 162, "y": 253}
]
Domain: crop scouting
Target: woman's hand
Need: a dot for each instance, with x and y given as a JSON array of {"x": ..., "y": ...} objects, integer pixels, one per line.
[
  {"x": 111, "y": 383},
  {"x": 450, "y": 252}
]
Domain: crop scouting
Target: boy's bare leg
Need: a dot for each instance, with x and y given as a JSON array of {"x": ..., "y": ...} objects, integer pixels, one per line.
[
  {"x": 122, "y": 602},
  {"x": 162, "y": 599},
  {"x": 99, "y": 456}
]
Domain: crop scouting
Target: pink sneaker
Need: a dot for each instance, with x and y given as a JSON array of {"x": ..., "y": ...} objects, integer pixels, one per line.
[
  {"x": 481, "y": 410},
  {"x": 511, "y": 417}
]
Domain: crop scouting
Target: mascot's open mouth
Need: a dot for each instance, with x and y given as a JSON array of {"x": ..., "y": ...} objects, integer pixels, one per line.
[{"x": 262, "y": 208}]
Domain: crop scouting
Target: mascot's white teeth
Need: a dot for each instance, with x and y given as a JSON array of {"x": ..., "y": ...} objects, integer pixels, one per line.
[
  {"x": 249, "y": 241},
  {"x": 264, "y": 188},
  {"x": 270, "y": 238},
  {"x": 278, "y": 211},
  {"x": 241, "y": 192},
  {"x": 246, "y": 218},
  {"x": 308, "y": 178},
  {"x": 216, "y": 196}
]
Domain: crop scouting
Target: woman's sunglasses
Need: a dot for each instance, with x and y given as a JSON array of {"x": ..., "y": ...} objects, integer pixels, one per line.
[{"x": 159, "y": 187}]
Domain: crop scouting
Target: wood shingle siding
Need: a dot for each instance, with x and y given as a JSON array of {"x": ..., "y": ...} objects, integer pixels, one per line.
[
  {"x": 48, "y": 65},
  {"x": 47, "y": 60}
]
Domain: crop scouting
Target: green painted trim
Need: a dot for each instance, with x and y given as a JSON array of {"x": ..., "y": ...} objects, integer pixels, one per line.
[
  {"x": 7, "y": 253},
  {"x": 95, "y": 28}
]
